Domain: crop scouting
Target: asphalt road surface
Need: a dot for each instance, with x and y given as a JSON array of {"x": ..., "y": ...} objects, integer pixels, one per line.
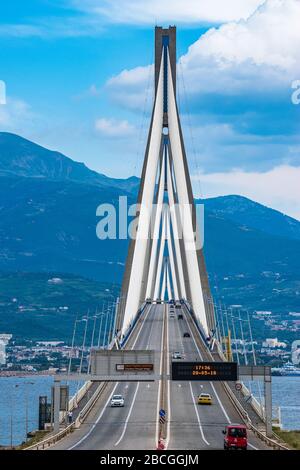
[{"x": 135, "y": 426}]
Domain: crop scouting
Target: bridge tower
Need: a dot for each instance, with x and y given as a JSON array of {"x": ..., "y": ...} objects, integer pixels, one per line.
[{"x": 165, "y": 254}]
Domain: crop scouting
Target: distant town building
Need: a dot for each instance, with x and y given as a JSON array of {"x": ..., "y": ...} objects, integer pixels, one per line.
[
  {"x": 55, "y": 280},
  {"x": 263, "y": 313},
  {"x": 50, "y": 343},
  {"x": 296, "y": 352},
  {"x": 4, "y": 339},
  {"x": 273, "y": 343}
]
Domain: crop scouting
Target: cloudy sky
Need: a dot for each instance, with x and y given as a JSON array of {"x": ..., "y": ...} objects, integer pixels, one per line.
[{"x": 79, "y": 79}]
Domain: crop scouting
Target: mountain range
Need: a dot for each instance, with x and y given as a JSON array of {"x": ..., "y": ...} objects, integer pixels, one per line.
[{"x": 48, "y": 223}]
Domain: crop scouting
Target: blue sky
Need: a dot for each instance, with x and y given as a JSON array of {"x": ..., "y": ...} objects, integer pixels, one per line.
[{"x": 79, "y": 80}]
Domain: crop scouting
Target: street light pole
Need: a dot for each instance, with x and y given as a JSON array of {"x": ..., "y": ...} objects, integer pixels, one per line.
[
  {"x": 26, "y": 408},
  {"x": 92, "y": 341},
  {"x": 72, "y": 346}
]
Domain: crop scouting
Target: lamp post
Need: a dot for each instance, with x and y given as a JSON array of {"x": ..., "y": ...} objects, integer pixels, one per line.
[{"x": 26, "y": 407}]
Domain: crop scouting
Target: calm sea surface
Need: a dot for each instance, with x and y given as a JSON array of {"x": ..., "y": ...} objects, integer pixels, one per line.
[
  {"x": 15, "y": 393},
  {"x": 18, "y": 395}
]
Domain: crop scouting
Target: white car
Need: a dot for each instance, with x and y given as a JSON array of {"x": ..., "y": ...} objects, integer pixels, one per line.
[
  {"x": 176, "y": 355},
  {"x": 117, "y": 400}
]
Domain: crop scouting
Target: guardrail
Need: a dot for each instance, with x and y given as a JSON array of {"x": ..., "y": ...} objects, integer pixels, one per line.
[
  {"x": 45, "y": 443},
  {"x": 244, "y": 415},
  {"x": 238, "y": 406},
  {"x": 73, "y": 402},
  {"x": 86, "y": 409}
]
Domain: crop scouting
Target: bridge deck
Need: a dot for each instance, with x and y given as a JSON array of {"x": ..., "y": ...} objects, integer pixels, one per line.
[{"x": 135, "y": 426}]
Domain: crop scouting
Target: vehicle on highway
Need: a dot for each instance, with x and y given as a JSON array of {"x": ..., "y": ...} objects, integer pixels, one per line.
[
  {"x": 171, "y": 301},
  {"x": 148, "y": 301},
  {"x": 204, "y": 399},
  {"x": 180, "y": 316},
  {"x": 186, "y": 335},
  {"x": 178, "y": 304},
  {"x": 235, "y": 437},
  {"x": 172, "y": 314},
  {"x": 176, "y": 355},
  {"x": 117, "y": 400},
  {"x": 158, "y": 301}
]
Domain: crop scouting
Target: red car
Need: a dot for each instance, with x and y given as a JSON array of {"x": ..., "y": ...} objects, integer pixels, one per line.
[{"x": 235, "y": 437}]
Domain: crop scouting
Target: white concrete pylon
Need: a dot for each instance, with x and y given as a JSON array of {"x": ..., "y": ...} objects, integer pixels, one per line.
[
  {"x": 169, "y": 289},
  {"x": 171, "y": 255},
  {"x": 176, "y": 233},
  {"x": 155, "y": 236},
  {"x": 163, "y": 286},
  {"x": 184, "y": 202},
  {"x": 160, "y": 256},
  {"x": 165, "y": 179},
  {"x": 142, "y": 235}
]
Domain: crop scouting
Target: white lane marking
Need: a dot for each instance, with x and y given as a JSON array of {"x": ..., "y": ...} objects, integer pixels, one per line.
[
  {"x": 133, "y": 346},
  {"x": 96, "y": 422},
  {"x": 136, "y": 390},
  {"x": 198, "y": 350},
  {"x": 106, "y": 404},
  {"x": 191, "y": 389},
  {"x": 135, "y": 394},
  {"x": 212, "y": 385},
  {"x": 198, "y": 417},
  {"x": 169, "y": 418},
  {"x": 168, "y": 390},
  {"x": 253, "y": 447},
  {"x": 168, "y": 359},
  {"x": 128, "y": 416},
  {"x": 220, "y": 403},
  {"x": 159, "y": 384},
  {"x": 150, "y": 334}
]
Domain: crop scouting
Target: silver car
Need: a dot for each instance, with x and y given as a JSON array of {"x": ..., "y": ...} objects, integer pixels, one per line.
[
  {"x": 176, "y": 355},
  {"x": 117, "y": 400}
]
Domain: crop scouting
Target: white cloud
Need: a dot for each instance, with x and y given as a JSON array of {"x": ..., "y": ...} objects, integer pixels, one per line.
[
  {"x": 136, "y": 79},
  {"x": 54, "y": 27},
  {"x": 147, "y": 12},
  {"x": 91, "y": 92},
  {"x": 113, "y": 127},
  {"x": 90, "y": 17},
  {"x": 132, "y": 88},
  {"x": 14, "y": 113},
  {"x": 278, "y": 188},
  {"x": 258, "y": 54}
]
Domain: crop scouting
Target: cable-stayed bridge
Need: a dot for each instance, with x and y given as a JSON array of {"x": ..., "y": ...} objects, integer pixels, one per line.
[{"x": 164, "y": 308}]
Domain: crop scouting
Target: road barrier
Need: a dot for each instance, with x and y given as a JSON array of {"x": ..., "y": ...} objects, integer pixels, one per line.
[
  {"x": 54, "y": 438},
  {"x": 162, "y": 432},
  {"x": 49, "y": 441},
  {"x": 89, "y": 405},
  {"x": 238, "y": 406}
]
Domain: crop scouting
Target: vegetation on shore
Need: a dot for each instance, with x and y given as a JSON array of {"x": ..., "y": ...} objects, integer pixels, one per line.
[{"x": 292, "y": 438}]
